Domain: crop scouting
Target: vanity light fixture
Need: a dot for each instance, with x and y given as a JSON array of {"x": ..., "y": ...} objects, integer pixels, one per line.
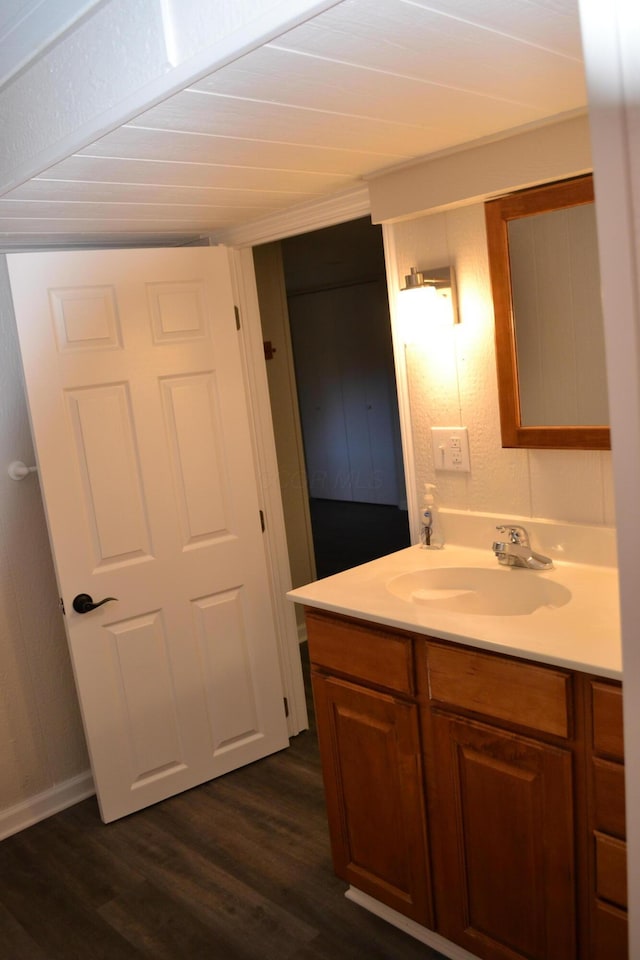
[{"x": 427, "y": 299}]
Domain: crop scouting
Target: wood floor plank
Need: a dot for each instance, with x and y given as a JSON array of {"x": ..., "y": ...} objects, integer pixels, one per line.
[
  {"x": 51, "y": 915},
  {"x": 15, "y": 941},
  {"x": 160, "y": 928},
  {"x": 237, "y": 914},
  {"x": 262, "y": 853},
  {"x": 70, "y": 858}
]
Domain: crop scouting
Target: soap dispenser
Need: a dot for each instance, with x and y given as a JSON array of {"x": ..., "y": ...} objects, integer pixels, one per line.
[{"x": 431, "y": 533}]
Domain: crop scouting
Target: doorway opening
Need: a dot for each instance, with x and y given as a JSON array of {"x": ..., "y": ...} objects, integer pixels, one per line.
[{"x": 326, "y": 327}]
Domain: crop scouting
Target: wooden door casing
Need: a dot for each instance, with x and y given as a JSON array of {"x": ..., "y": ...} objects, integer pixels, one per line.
[{"x": 523, "y": 786}]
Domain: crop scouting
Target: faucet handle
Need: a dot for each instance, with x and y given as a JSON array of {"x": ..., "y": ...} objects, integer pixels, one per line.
[{"x": 515, "y": 533}]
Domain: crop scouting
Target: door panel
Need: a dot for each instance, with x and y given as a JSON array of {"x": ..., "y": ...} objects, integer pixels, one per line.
[
  {"x": 192, "y": 413},
  {"x": 136, "y": 394},
  {"x": 103, "y": 437},
  {"x": 231, "y": 702},
  {"x": 141, "y": 681}
]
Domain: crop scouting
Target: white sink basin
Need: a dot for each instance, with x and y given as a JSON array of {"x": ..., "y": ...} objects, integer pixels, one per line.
[{"x": 475, "y": 591}]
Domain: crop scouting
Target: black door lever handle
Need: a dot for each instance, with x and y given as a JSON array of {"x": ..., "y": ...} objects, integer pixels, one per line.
[{"x": 83, "y": 603}]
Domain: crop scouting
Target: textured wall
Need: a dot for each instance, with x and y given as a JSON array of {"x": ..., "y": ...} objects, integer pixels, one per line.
[
  {"x": 452, "y": 381},
  {"x": 41, "y": 740}
]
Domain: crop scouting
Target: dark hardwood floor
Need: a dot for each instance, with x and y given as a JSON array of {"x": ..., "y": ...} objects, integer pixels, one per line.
[{"x": 237, "y": 869}]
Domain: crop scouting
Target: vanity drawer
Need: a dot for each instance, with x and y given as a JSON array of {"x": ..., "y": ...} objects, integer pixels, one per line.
[
  {"x": 500, "y": 687},
  {"x": 608, "y": 797},
  {"x": 611, "y": 870},
  {"x": 606, "y": 700},
  {"x": 364, "y": 652}
]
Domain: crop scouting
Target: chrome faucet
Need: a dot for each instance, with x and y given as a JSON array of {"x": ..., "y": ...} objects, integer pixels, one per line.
[{"x": 515, "y": 551}]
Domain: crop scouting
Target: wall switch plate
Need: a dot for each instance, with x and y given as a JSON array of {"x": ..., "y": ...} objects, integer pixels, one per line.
[{"x": 451, "y": 448}]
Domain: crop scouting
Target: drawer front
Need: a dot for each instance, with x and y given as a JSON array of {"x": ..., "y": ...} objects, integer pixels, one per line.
[
  {"x": 608, "y": 797},
  {"x": 606, "y": 699},
  {"x": 365, "y": 653},
  {"x": 500, "y": 688},
  {"x": 611, "y": 869}
]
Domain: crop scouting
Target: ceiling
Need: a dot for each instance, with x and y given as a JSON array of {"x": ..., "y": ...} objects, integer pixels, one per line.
[{"x": 363, "y": 87}]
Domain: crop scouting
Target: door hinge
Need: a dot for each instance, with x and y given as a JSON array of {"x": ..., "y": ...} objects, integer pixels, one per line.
[
  {"x": 286, "y": 707},
  {"x": 262, "y": 523},
  {"x": 61, "y": 605},
  {"x": 237, "y": 313},
  {"x": 269, "y": 349}
]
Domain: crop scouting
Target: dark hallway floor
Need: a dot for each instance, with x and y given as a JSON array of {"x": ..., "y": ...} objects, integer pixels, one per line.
[{"x": 346, "y": 533}]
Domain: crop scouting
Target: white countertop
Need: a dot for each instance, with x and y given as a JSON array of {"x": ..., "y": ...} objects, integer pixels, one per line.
[{"x": 582, "y": 634}]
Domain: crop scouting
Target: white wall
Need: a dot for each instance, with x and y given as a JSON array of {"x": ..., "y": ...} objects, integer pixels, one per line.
[
  {"x": 41, "y": 741},
  {"x": 452, "y": 381}
]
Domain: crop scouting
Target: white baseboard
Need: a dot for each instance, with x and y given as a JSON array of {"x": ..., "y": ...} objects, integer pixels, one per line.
[
  {"x": 45, "y": 804},
  {"x": 416, "y": 930}
]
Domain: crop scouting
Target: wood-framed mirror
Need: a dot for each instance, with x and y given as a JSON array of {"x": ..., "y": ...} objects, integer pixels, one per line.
[{"x": 545, "y": 278}]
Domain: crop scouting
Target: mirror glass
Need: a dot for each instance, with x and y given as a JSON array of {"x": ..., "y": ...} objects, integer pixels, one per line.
[{"x": 549, "y": 330}]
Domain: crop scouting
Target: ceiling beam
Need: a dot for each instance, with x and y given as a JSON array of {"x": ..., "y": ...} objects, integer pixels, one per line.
[{"x": 120, "y": 59}]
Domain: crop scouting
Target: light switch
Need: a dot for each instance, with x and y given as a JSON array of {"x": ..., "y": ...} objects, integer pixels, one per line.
[{"x": 451, "y": 448}]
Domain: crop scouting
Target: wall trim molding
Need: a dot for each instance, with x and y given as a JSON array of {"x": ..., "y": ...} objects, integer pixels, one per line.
[
  {"x": 484, "y": 168},
  {"x": 45, "y": 804},
  {"x": 324, "y": 212}
]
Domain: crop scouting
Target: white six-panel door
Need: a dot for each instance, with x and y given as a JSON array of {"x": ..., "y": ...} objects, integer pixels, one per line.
[{"x": 139, "y": 417}]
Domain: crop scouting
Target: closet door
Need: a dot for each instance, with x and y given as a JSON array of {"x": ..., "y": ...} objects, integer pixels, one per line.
[{"x": 346, "y": 391}]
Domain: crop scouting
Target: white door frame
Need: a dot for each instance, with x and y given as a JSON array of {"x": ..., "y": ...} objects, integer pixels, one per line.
[
  {"x": 611, "y": 42},
  {"x": 275, "y": 543},
  {"x": 337, "y": 209}
]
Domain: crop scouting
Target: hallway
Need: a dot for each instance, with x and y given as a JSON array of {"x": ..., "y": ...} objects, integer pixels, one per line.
[{"x": 346, "y": 533}]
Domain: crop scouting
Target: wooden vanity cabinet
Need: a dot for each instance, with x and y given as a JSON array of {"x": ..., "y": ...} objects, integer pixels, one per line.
[
  {"x": 500, "y": 775},
  {"x": 479, "y": 794},
  {"x": 607, "y": 833},
  {"x": 368, "y": 729}
]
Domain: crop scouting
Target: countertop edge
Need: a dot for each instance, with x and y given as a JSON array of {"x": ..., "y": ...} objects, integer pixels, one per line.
[{"x": 599, "y": 659}]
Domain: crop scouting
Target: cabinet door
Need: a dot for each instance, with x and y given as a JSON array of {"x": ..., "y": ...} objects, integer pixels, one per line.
[
  {"x": 503, "y": 842},
  {"x": 370, "y": 748}
]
